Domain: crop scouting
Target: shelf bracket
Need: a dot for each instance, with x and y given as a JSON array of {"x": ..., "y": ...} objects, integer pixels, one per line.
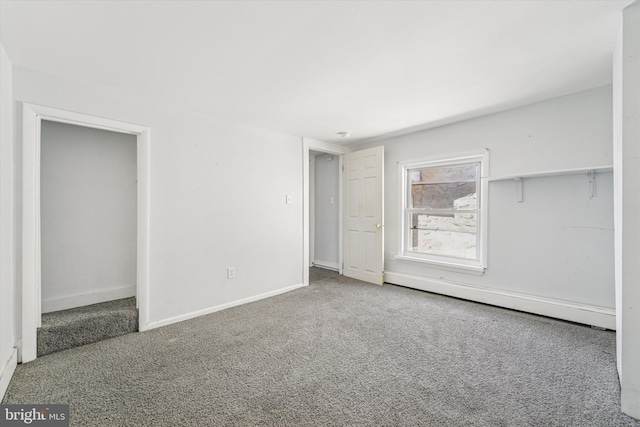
[
  {"x": 592, "y": 182},
  {"x": 518, "y": 181}
]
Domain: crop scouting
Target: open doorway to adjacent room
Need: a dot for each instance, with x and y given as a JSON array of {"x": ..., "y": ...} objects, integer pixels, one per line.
[
  {"x": 88, "y": 205},
  {"x": 85, "y": 229},
  {"x": 322, "y": 217},
  {"x": 324, "y": 210}
]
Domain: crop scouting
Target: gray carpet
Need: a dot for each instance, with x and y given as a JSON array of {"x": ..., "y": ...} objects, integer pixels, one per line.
[
  {"x": 316, "y": 274},
  {"x": 66, "y": 329},
  {"x": 339, "y": 352}
]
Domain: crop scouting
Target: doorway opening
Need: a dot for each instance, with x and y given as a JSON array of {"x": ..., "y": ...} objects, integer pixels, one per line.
[
  {"x": 71, "y": 237},
  {"x": 322, "y": 218},
  {"x": 360, "y": 207},
  {"x": 88, "y": 235},
  {"x": 324, "y": 210}
]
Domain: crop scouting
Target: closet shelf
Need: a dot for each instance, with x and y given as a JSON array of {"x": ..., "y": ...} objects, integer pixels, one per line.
[{"x": 578, "y": 171}]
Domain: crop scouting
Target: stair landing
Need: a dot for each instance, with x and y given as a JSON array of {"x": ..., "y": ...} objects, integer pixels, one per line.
[{"x": 78, "y": 326}]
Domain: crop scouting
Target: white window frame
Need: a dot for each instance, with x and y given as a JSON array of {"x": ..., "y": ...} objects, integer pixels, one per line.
[{"x": 448, "y": 263}]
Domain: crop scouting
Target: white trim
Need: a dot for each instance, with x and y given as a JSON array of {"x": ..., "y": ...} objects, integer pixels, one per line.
[
  {"x": 325, "y": 147},
  {"x": 73, "y": 118},
  {"x": 31, "y": 266},
  {"x": 326, "y": 264},
  {"x": 30, "y": 240},
  {"x": 575, "y": 312},
  {"x": 312, "y": 207},
  {"x": 444, "y": 265},
  {"x": 447, "y": 263},
  {"x": 142, "y": 262},
  {"x": 79, "y": 300},
  {"x": 209, "y": 310},
  {"x": 19, "y": 350},
  {"x": 7, "y": 372},
  {"x": 484, "y": 213},
  {"x": 447, "y": 159},
  {"x": 306, "y": 245},
  {"x": 340, "y": 210}
]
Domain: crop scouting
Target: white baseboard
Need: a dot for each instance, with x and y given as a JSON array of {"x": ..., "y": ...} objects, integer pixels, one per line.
[
  {"x": 326, "y": 264},
  {"x": 574, "y": 312},
  {"x": 209, "y": 310},
  {"x": 7, "y": 371},
  {"x": 630, "y": 408},
  {"x": 79, "y": 300},
  {"x": 19, "y": 350}
]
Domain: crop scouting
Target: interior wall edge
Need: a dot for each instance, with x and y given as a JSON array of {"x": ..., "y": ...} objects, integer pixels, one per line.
[
  {"x": 8, "y": 232},
  {"x": 8, "y": 368}
]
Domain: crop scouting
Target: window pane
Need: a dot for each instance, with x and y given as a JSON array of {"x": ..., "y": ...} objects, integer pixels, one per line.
[
  {"x": 440, "y": 188},
  {"x": 452, "y": 235},
  {"x": 445, "y": 174}
]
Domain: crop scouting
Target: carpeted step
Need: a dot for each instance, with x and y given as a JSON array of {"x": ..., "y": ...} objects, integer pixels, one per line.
[{"x": 84, "y": 325}]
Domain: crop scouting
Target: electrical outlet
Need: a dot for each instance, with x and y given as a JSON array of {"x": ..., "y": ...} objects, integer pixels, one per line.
[{"x": 231, "y": 272}]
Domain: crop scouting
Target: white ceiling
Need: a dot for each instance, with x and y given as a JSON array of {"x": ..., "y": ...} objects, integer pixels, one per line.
[{"x": 314, "y": 68}]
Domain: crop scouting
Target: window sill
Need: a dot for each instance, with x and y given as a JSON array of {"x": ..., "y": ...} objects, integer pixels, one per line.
[{"x": 444, "y": 265}]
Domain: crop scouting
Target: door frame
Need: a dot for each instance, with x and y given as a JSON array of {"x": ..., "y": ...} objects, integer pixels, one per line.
[
  {"x": 324, "y": 147},
  {"x": 32, "y": 116}
]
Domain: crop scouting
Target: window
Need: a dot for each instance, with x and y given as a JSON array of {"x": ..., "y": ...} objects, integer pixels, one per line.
[{"x": 442, "y": 212}]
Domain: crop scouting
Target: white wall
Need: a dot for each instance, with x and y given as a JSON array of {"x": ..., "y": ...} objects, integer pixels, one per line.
[
  {"x": 209, "y": 181},
  {"x": 627, "y": 204},
  {"x": 7, "y": 236},
  {"x": 326, "y": 213},
  {"x": 554, "y": 248},
  {"x": 88, "y": 215},
  {"x": 557, "y": 243}
]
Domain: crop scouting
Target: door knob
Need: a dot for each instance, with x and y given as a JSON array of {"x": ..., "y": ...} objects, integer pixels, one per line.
[{"x": 378, "y": 225}]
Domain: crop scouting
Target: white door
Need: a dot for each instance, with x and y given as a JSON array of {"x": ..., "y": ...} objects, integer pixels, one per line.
[{"x": 363, "y": 214}]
